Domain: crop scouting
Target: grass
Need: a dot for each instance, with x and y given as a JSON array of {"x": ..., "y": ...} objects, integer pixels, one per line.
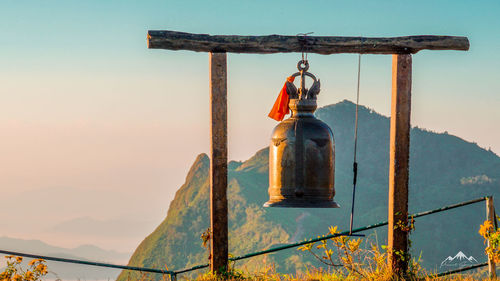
[
  {"x": 346, "y": 259},
  {"x": 318, "y": 274}
]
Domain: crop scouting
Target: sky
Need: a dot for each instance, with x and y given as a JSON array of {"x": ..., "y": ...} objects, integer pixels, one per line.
[{"x": 97, "y": 132}]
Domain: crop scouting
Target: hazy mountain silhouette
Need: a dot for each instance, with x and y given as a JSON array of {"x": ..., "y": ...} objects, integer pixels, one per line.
[
  {"x": 444, "y": 169},
  {"x": 64, "y": 270}
]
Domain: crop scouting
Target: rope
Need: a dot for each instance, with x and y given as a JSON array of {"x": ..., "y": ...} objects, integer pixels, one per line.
[
  {"x": 304, "y": 44},
  {"x": 355, "y": 163}
]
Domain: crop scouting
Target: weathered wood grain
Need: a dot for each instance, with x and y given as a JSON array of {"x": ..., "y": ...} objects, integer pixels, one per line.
[
  {"x": 490, "y": 215},
  {"x": 218, "y": 162},
  {"x": 173, "y": 40},
  {"x": 399, "y": 163}
]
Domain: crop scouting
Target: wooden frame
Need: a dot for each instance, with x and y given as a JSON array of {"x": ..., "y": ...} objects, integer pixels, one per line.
[{"x": 400, "y": 47}]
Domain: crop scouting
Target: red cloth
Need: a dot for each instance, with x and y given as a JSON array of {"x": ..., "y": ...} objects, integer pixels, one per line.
[{"x": 280, "y": 107}]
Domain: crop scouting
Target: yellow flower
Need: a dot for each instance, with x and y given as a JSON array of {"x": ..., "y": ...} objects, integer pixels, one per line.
[
  {"x": 333, "y": 230},
  {"x": 321, "y": 246},
  {"x": 483, "y": 229},
  {"x": 19, "y": 259},
  {"x": 17, "y": 277},
  {"x": 32, "y": 262},
  {"x": 329, "y": 253},
  {"x": 42, "y": 268},
  {"x": 306, "y": 247},
  {"x": 29, "y": 275},
  {"x": 354, "y": 244}
]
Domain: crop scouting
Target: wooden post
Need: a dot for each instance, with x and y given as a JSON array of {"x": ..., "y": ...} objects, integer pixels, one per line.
[
  {"x": 399, "y": 163},
  {"x": 490, "y": 215},
  {"x": 218, "y": 162}
]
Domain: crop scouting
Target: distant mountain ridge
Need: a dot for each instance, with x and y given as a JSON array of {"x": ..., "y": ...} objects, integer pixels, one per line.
[
  {"x": 64, "y": 270},
  {"x": 89, "y": 252},
  {"x": 444, "y": 169}
]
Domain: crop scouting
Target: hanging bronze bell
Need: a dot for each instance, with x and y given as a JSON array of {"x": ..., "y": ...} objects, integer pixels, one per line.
[{"x": 302, "y": 152}]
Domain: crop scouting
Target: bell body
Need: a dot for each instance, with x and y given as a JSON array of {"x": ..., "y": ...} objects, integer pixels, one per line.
[{"x": 302, "y": 160}]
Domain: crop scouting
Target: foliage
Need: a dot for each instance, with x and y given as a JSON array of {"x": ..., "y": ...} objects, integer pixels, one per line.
[
  {"x": 489, "y": 233},
  {"x": 14, "y": 271},
  {"x": 350, "y": 261},
  {"x": 205, "y": 238}
]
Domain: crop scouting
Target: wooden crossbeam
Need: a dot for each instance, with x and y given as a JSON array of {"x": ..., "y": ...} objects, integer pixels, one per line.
[{"x": 173, "y": 40}]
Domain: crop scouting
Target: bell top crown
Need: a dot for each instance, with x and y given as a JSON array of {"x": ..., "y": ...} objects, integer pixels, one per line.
[
  {"x": 303, "y": 100},
  {"x": 302, "y": 93}
]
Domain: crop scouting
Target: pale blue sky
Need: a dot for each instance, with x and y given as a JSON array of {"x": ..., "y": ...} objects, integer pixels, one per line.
[{"x": 85, "y": 106}]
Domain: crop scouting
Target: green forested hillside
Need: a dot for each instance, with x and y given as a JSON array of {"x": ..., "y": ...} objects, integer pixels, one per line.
[{"x": 444, "y": 169}]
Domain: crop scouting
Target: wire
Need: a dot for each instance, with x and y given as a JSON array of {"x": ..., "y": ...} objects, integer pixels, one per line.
[
  {"x": 283, "y": 247},
  {"x": 355, "y": 163},
  {"x": 84, "y": 262}
]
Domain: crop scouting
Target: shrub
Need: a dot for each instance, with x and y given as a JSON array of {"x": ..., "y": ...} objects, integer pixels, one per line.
[
  {"x": 492, "y": 235},
  {"x": 14, "y": 271}
]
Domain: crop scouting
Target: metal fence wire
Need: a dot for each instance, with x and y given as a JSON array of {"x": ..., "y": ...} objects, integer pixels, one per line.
[{"x": 173, "y": 274}]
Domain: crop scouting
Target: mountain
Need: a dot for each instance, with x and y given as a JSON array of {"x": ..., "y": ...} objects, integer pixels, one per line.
[
  {"x": 444, "y": 169},
  {"x": 108, "y": 228},
  {"x": 64, "y": 270}
]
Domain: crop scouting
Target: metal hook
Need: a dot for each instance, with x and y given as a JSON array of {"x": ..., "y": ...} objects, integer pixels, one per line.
[{"x": 303, "y": 65}]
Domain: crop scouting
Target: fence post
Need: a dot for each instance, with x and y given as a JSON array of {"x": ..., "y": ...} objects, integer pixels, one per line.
[{"x": 490, "y": 215}]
